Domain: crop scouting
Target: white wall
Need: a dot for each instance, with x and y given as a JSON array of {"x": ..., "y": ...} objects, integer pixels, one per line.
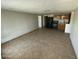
[
  {"x": 74, "y": 31},
  {"x": 40, "y": 21},
  {"x": 15, "y": 24},
  {"x": 67, "y": 28}
]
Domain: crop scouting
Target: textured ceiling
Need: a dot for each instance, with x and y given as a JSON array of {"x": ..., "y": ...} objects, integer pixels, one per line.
[{"x": 40, "y": 6}]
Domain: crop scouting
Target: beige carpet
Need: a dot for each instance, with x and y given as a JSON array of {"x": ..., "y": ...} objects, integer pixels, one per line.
[{"x": 40, "y": 44}]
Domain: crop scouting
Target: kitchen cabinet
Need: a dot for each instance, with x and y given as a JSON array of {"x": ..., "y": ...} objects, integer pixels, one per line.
[{"x": 61, "y": 27}]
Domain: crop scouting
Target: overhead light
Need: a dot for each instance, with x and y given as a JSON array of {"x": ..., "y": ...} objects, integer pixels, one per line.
[{"x": 46, "y": 10}]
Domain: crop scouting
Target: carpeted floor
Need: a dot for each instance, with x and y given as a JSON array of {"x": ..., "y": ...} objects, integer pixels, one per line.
[{"x": 40, "y": 44}]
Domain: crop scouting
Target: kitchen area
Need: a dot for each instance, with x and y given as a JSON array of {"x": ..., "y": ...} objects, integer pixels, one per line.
[{"x": 57, "y": 22}]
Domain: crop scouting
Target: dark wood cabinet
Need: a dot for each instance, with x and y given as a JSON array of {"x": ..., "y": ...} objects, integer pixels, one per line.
[{"x": 50, "y": 23}]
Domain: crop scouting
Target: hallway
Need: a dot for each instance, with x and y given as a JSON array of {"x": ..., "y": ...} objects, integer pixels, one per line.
[{"x": 39, "y": 44}]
